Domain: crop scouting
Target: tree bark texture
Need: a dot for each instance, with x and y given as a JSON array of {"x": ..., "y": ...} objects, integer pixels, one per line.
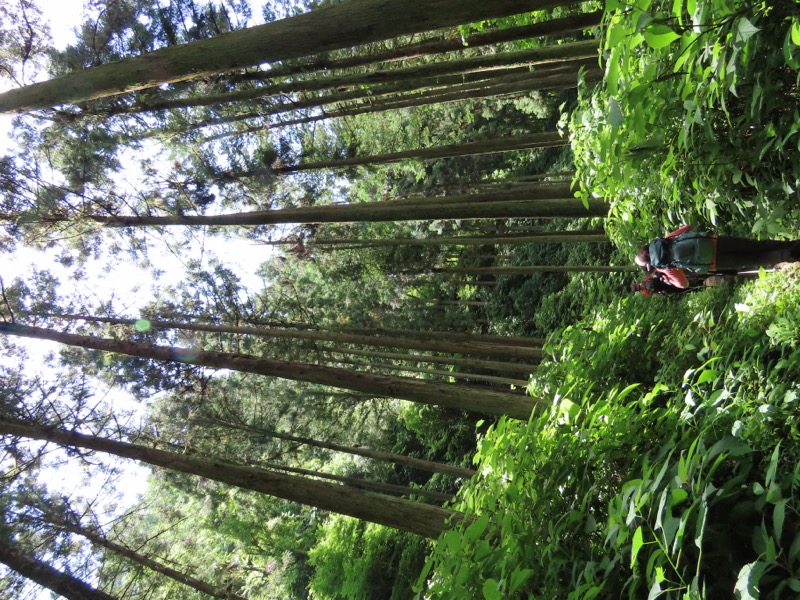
[
  {"x": 486, "y": 146},
  {"x": 553, "y": 28},
  {"x": 491, "y": 365},
  {"x": 415, "y": 76},
  {"x": 464, "y": 347},
  {"x": 564, "y": 237},
  {"x": 46, "y": 576},
  {"x": 403, "y": 388},
  {"x": 409, "y": 461},
  {"x": 339, "y": 26},
  {"x": 371, "y": 212},
  {"x": 174, "y": 574},
  {"x": 415, "y": 517}
]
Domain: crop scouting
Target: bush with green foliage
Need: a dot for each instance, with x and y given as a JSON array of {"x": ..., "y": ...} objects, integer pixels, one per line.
[
  {"x": 356, "y": 560},
  {"x": 672, "y": 477},
  {"x": 697, "y": 118}
]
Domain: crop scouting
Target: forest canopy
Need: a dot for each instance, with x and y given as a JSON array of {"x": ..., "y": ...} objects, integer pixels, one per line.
[{"x": 330, "y": 300}]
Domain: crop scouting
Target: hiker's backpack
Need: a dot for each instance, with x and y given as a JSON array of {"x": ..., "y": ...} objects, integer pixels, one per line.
[
  {"x": 660, "y": 253},
  {"x": 689, "y": 251}
]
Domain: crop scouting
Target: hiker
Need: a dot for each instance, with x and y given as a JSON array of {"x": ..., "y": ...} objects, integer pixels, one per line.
[{"x": 685, "y": 252}]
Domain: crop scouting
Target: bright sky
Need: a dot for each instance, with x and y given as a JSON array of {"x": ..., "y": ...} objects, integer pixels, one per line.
[
  {"x": 128, "y": 281},
  {"x": 132, "y": 286}
]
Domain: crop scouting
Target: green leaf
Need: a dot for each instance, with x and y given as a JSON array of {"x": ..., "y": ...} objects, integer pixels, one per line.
[
  {"x": 677, "y": 496},
  {"x": 615, "y": 116},
  {"x": 707, "y": 375},
  {"x": 453, "y": 541},
  {"x": 612, "y": 74},
  {"x": 490, "y": 590},
  {"x": 745, "y": 30},
  {"x": 778, "y": 515},
  {"x": 747, "y": 583},
  {"x": 794, "y": 550},
  {"x": 773, "y": 465},
  {"x": 616, "y": 33},
  {"x": 424, "y": 575},
  {"x": 774, "y": 494},
  {"x": 476, "y": 528},
  {"x": 636, "y": 544},
  {"x": 660, "y": 36},
  {"x": 519, "y": 577},
  {"x": 732, "y": 446},
  {"x": 795, "y": 33},
  {"x": 670, "y": 526},
  {"x": 645, "y": 18}
]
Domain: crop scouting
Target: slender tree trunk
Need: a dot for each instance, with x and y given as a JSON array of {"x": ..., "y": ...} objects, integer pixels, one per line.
[
  {"x": 486, "y": 146},
  {"x": 553, "y": 28},
  {"x": 564, "y": 77},
  {"x": 415, "y": 517},
  {"x": 409, "y": 78},
  {"x": 368, "y": 212},
  {"x": 479, "y": 348},
  {"x": 561, "y": 75},
  {"x": 339, "y": 26},
  {"x": 562, "y": 237},
  {"x": 365, "y": 484},
  {"x": 46, "y": 576},
  {"x": 491, "y": 365},
  {"x": 140, "y": 559},
  {"x": 445, "y": 395},
  {"x": 449, "y": 336},
  {"x": 446, "y": 303},
  {"x": 438, "y": 372},
  {"x": 408, "y": 461},
  {"x": 530, "y": 269},
  {"x": 408, "y": 93},
  {"x": 459, "y": 282},
  {"x": 408, "y": 333}
]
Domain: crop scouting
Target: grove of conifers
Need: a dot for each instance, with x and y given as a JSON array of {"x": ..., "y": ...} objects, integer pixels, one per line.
[{"x": 440, "y": 386}]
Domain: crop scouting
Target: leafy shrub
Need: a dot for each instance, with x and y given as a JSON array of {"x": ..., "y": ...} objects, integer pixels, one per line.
[
  {"x": 355, "y": 560},
  {"x": 681, "y": 485},
  {"x": 696, "y": 120}
]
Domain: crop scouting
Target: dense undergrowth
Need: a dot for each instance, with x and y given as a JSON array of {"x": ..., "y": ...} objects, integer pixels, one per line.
[
  {"x": 697, "y": 120},
  {"x": 667, "y": 466}
]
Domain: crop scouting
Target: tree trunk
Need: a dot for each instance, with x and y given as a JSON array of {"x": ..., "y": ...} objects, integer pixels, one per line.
[
  {"x": 563, "y": 77},
  {"x": 450, "y": 336},
  {"x": 530, "y": 269},
  {"x": 369, "y": 212},
  {"x": 478, "y": 348},
  {"x": 408, "y": 333},
  {"x": 409, "y": 461},
  {"x": 174, "y": 574},
  {"x": 46, "y": 576},
  {"x": 409, "y": 78},
  {"x": 414, "y": 390},
  {"x": 365, "y": 484},
  {"x": 339, "y": 26},
  {"x": 490, "y": 365},
  {"x": 563, "y": 237},
  {"x": 555, "y": 27},
  {"x": 486, "y": 146},
  {"x": 439, "y": 373},
  {"x": 415, "y": 517}
]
